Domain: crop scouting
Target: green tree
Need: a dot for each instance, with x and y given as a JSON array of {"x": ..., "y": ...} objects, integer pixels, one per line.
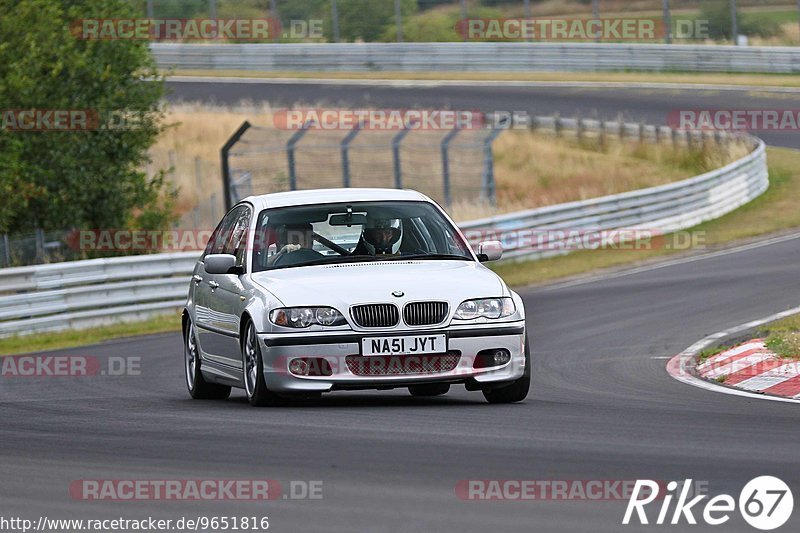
[{"x": 73, "y": 179}]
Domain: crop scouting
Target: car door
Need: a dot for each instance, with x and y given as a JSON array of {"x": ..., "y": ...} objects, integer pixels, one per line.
[
  {"x": 225, "y": 302},
  {"x": 213, "y": 345}
]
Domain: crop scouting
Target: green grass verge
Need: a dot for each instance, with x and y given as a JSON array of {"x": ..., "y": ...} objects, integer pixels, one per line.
[
  {"x": 783, "y": 337},
  {"x": 756, "y": 80},
  {"x": 67, "y": 339},
  {"x": 773, "y": 211}
]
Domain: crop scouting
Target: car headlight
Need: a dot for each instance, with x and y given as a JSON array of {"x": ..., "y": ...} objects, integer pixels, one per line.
[
  {"x": 303, "y": 317},
  {"x": 486, "y": 308}
]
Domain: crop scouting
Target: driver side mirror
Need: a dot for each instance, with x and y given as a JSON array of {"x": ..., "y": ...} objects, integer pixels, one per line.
[
  {"x": 490, "y": 251},
  {"x": 222, "y": 264}
]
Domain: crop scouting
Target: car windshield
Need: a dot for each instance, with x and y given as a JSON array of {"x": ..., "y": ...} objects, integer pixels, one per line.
[{"x": 354, "y": 232}]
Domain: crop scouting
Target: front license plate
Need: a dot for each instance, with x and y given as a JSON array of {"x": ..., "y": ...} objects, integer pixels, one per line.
[{"x": 408, "y": 345}]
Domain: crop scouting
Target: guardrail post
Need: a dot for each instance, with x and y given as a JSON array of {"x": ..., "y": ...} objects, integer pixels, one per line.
[
  {"x": 446, "y": 164},
  {"x": 345, "y": 156},
  {"x": 396, "y": 140},
  {"x": 290, "y": 145},
  {"x": 226, "y": 171},
  {"x": 557, "y": 124}
]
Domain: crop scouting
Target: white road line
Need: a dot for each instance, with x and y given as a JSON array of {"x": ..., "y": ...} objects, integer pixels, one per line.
[
  {"x": 679, "y": 367},
  {"x": 665, "y": 264}
]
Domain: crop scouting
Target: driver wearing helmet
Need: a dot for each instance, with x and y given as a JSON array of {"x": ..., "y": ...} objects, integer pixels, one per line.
[{"x": 381, "y": 236}]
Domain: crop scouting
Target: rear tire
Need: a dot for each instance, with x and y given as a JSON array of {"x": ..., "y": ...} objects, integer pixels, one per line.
[
  {"x": 516, "y": 391},
  {"x": 255, "y": 387},
  {"x": 429, "y": 389},
  {"x": 198, "y": 387}
]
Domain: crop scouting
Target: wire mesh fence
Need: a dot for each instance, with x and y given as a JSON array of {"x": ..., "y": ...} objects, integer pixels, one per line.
[{"x": 449, "y": 166}]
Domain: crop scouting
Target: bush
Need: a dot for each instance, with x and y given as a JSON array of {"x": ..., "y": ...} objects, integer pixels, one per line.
[{"x": 83, "y": 179}]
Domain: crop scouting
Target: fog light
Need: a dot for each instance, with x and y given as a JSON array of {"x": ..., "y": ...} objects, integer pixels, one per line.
[
  {"x": 298, "y": 367},
  {"x": 501, "y": 357},
  {"x": 310, "y": 366},
  {"x": 490, "y": 358}
]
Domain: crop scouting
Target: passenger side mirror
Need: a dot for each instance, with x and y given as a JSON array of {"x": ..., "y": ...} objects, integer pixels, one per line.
[
  {"x": 221, "y": 264},
  {"x": 490, "y": 251}
]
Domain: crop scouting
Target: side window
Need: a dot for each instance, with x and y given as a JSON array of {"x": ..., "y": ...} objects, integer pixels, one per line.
[
  {"x": 222, "y": 233},
  {"x": 217, "y": 239},
  {"x": 237, "y": 242}
]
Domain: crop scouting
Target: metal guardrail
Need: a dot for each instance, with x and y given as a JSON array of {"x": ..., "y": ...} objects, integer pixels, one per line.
[
  {"x": 86, "y": 293},
  {"x": 666, "y": 208},
  {"x": 487, "y": 57}
]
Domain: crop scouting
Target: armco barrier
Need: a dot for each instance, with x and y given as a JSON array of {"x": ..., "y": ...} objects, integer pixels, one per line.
[
  {"x": 485, "y": 57},
  {"x": 85, "y": 293}
]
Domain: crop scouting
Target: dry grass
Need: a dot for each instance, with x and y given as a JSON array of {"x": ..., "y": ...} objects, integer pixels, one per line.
[
  {"x": 535, "y": 170},
  {"x": 191, "y": 145},
  {"x": 789, "y": 36}
]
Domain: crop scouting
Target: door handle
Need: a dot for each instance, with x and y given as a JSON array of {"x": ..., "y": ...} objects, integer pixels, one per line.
[
  {"x": 213, "y": 284},
  {"x": 197, "y": 278}
]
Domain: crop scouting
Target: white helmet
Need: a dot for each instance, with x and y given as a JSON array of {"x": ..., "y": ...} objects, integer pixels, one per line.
[{"x": 382, "y": 236}]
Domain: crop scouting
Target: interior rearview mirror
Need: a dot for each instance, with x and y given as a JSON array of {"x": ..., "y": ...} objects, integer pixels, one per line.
[
  {"x": 490, "y": 251},
  {"x": 348, "y": 219}
]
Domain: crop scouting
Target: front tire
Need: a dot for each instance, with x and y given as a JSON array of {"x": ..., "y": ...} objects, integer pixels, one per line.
[
  {"x": 255, "y": 386},
  {"x": 516, "y": 391},
  {"x": 198, "y": 387},
  {"x": 429, "y": 389}
]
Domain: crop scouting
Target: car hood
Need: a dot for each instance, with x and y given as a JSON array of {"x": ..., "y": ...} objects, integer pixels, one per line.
[{"x": 343, "y": 285}]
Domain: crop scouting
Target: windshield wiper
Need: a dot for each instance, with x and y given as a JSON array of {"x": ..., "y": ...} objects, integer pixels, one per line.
[
  {"x": 433, "y": 256},
  {"x": 331, "y": 260}
]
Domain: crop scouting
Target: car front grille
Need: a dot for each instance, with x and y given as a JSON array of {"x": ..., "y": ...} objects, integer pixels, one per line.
[
  {"x": 425, "y": 313},
  {"x": 376, "y": 315},
  {"x": 398, "y": 365}
]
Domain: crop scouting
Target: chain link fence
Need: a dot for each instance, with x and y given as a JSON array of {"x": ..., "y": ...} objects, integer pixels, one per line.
[{"x": 450, "y": 166}]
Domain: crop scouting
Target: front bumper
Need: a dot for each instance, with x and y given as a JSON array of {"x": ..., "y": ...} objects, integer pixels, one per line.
[{"x": 278, "y": 350}]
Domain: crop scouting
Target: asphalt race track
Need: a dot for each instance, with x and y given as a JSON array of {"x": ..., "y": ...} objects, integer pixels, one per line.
[{"x": 602, "y": 406}]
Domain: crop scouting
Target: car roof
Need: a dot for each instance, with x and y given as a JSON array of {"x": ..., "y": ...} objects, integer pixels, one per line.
[{"x": 329, "y": 196}]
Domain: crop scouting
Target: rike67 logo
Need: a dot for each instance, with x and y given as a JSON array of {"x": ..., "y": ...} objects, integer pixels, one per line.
[{"x": 765, "y": 503}]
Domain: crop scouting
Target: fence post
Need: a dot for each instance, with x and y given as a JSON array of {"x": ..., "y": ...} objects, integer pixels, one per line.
[
  {"x": 396, "y": 140},
  {"x": 39, "y": 239},
  {"x": 667, "y": 23},
  {"x": 6, "y": 249},
  {"x": 226, "y": 171},
  {"x": 345, "y": 156},
  {"x": 335, "y": 21},
  {"x": 198, "y": 183},
  {"x": 446, "y": 164},
  {"x": 290, "y": 145},
  {"x": 398, "y": 16},
  {"x": 488, "y": 189}
]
